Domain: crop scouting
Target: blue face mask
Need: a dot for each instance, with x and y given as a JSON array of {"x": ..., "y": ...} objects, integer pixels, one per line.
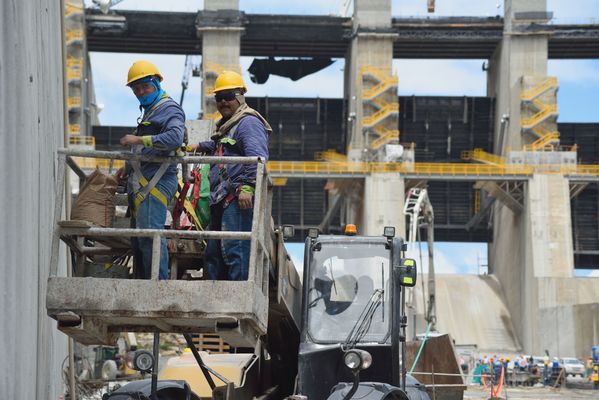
[{"x": 149, "y": 100}]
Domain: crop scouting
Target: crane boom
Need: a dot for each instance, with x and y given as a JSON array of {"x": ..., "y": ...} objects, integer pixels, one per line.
[{"x": 419, "y": 212}]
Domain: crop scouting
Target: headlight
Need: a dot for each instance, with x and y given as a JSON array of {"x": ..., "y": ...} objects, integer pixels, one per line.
[
  {"x": 356, "y": 359},
  {"x": 143, "y": 361}
]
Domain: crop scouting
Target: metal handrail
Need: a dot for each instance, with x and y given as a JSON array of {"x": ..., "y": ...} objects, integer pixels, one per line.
[
  {"x": 537, "y": 90},
  {"x": 258, "y": 270}
]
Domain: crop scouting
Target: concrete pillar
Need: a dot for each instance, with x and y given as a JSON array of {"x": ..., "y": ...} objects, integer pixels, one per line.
[
  {"x": 532, "y": 251},
  {"x": 383, "y": 204},
  {"x": 220, "y": 48},
  {"x": 372, "y": 45},
  {"x": 520, "y": 53}
]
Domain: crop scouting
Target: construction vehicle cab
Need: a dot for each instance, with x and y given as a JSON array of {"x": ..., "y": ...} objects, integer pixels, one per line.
[{"x": 352, "y": 317}]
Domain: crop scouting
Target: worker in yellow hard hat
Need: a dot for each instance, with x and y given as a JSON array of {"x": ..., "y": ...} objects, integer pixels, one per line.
[
  {"x": 151, "y": 186},
  {"x": 241, "y": 131}
]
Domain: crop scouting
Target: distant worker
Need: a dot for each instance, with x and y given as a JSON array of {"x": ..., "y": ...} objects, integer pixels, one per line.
[
  {"x": 151, "y": 186},
  {"x": 241, "y": 131},
  {"x": 546, "y": 373},
  {"x": 595, "y": 377}
]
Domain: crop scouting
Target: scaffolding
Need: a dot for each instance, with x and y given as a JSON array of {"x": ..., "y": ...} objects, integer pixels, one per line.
[{"x": 85, "y": 308}]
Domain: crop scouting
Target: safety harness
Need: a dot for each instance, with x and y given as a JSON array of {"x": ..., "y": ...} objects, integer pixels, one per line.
[
  {"x": 223, "y": 174},
  {"x": 141, "y": 187}
]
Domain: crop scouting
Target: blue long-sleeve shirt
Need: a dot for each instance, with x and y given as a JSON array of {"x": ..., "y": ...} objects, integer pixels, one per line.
[
  {"x": 250, "y": 139},
  {"x": 162, "y": 135}
]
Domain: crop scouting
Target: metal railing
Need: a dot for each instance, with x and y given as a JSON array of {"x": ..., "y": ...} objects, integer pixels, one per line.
[
  {"x": 75, "y": 35},
  {"x": 482, "y": 156},
  {"x": 549, "y": 141},
  {"x": 75, "y": 131},
  {"x": 307, "y": 168},
  {"x": 534, "y": 92},
  {"x": 79, "y": 140},
  {"x": 72, "y": 9},
  {"x": 381, "y": 114},
  {"x": 74, "y": 102},
  {"x": 259, "y": 235},
  {"x": 540, "y": 116}
]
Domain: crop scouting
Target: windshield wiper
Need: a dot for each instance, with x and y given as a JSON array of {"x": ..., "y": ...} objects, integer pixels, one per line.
[{"x": 362, "y": 325}]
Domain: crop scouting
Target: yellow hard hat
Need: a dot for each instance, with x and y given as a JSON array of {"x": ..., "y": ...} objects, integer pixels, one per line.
[
  {"x": 229, "y": 80},
  {"x": 141, "y": 69}
]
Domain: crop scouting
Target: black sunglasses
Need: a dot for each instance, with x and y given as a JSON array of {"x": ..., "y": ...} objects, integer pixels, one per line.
[{"x": 227, "y": 96}]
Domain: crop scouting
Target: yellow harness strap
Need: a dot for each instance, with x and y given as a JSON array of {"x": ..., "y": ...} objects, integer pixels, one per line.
[
  {"x": 189, "y": 209},
  {"x": 154, "y": 192}
]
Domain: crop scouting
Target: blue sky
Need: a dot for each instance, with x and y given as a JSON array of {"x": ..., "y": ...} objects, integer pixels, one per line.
[{"x": 578, "y": 96}]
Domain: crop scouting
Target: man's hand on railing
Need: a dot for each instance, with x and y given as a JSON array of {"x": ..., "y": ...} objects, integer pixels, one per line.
[
  {"x": 192, "y": 148},
  {"x": 129, "y": 140}
]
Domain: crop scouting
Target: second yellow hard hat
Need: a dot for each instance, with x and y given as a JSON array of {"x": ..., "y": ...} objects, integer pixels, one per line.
[{"x": 229, "y": 80}]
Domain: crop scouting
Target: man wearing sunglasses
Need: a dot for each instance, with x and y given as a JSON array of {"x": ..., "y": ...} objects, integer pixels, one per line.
[
  {"x": 241, "y": 131},
  {"x": 151, "y": 186}
]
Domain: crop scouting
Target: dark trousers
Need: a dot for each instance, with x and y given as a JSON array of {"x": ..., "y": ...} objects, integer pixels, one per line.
[{"x": 229, "y": 259}]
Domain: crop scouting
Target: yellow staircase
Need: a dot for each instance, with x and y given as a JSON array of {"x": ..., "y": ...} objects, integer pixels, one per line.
[
  {"x": 482, "y": 156},
  {"x": 74, "y": 69},
  {"x": 536, "y": 91},
  {"x": 385, "y": 136},
  {"x": 75, "y": 75},
  {"x": 72, "y": 9},
  {"x": 547, "y": 142},
  {"x": 545, "y": 111},
  {"x": 373, "y": 119},
  {"x": 384, "y": 84},
  {"x": 548, "y": 139}
]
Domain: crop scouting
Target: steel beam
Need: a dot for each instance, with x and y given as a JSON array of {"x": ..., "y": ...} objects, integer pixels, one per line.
[{"x": 313, "y": 36}]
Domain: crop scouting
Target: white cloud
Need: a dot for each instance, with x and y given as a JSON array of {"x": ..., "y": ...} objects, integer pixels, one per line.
[
  {"x": 580, "y": 72},
  {"x": 109, "y": 71},
  {"x": 440, "y": 77},
  {"x": 443, "y": 263}
]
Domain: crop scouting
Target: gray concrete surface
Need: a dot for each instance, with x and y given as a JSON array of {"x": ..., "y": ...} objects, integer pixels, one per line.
[
  {"x": 220, "y": 45},
  {"x": 31, "y": 128}
]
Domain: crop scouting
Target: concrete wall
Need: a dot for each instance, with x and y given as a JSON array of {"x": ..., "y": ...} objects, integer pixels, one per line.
[
  {"x": 31, "y": 129},
  {"x": 568, "y": 315},
  {"x": 472, "y": 309},
  {"x": 531, "y": 252}
]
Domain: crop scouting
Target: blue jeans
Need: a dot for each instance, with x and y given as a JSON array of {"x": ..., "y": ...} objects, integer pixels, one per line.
[
  {"x": 151, "y": 214},
  {"x": 229, "y": 259}
]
